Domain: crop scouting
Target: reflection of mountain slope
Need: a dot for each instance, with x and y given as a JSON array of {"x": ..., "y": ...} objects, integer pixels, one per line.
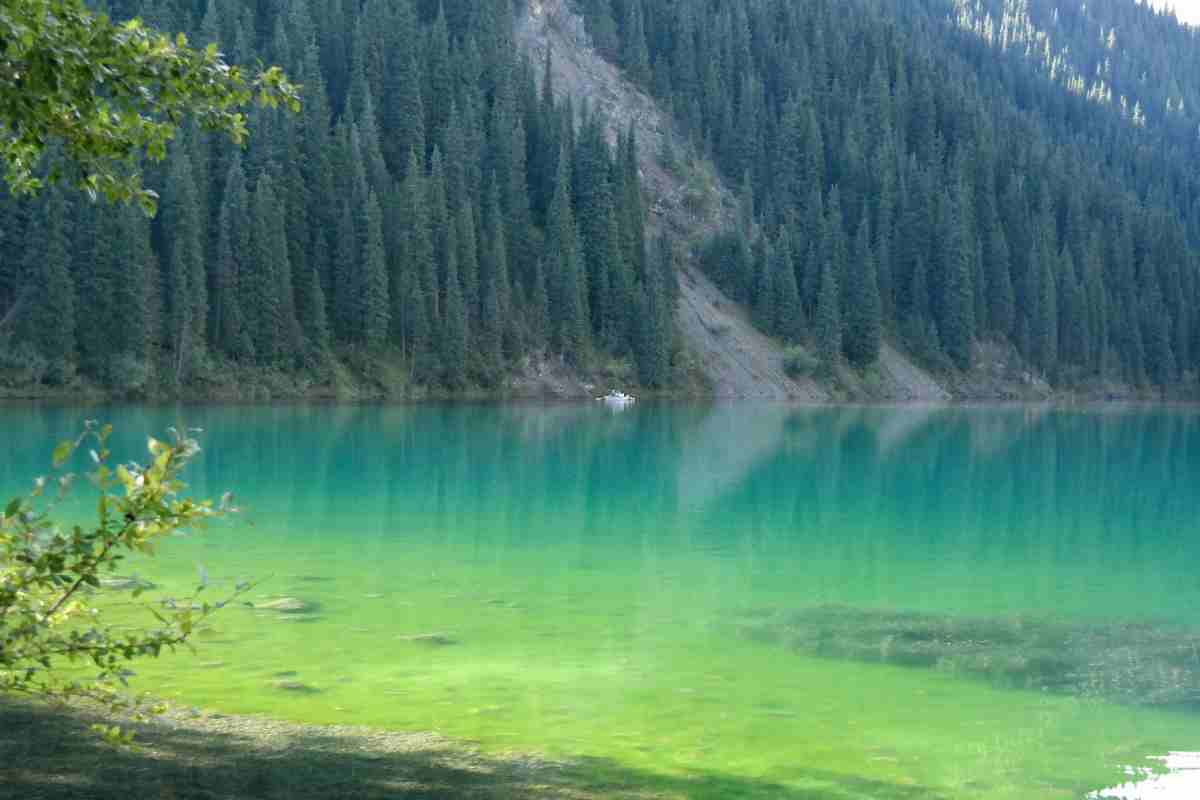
[
  {"x": 537, "y": 422},
  {"x": 993, "y": 434},
  {"x": 895, "y": 426},
  {"x": 722, "y": 450}
]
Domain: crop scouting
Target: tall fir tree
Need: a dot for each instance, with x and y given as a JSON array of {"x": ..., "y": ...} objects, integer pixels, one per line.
[
  {"x": 864, "y": 310},
  {"x": 828, "y": 322},
  {"x": 49, "y": 319}
]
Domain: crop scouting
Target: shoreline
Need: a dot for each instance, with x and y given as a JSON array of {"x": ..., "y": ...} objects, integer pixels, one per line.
[{"x": 48, "y": 753}]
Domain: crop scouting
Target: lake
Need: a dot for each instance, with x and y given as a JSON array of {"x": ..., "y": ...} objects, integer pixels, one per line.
[{"x": 991, "y": 602}]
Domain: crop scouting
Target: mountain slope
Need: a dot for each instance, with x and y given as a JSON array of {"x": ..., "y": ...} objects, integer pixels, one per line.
[
  {"x": 955, "y": 175},
  {"x": 691, "y": 202},
  {"x": 737, "y": 360}
]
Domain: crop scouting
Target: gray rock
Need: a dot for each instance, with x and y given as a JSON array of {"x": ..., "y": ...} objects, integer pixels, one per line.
[
  {"x": 287, "y": 605},
  {"x": 119, "y": 583},
  {"x": 433, "y": 639},
  {"x": 294, "y": 686}
]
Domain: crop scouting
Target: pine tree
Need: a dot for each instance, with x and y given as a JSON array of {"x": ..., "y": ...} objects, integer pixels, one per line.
[
  {"x": 467, "y": 238},
  {"x": 186, "y": 281},
  {"x": 654, "y": 322},
  {"x": 373, "y": 304},
  {"x": 1156, "y": 336},
  {"x": 262, "y": 303},
  {"x": 864, "y": 312},
  {"x": 422, "y": 263},
  {"x": 565, "y": 279},
  {"x": 1045, "y": 329},
  {"x": 49, "y": 322},
  {"x": 635, "y": 57},
  {"x": 494, "y": 278},
  {"x": 999, "y": 291},
  {"x": 347, "y": 274},
  {"x": 404, "y": 115},
  {"x": 828, "y": 327},
  {"x": 539, "y": 306},
  {"x": 956, "y": 312},
  {"x": 227, "y": 331},
  {"x": 99, "y": 253},
  {"x": 310, "y": 309},
  {"x": 789, "y": 314},
  {"x": 762, "y": 293},
  {"x": 132, "y": 333},
  {"x": 454, "y": 335}
]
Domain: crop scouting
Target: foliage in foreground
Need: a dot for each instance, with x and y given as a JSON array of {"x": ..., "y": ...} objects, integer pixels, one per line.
[
  {"x": 53, "y": 632},
  {"x": 109, "y": 92}
]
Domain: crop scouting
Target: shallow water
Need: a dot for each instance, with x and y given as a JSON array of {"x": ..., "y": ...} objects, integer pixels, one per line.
[{"x": 588, "y": 574}]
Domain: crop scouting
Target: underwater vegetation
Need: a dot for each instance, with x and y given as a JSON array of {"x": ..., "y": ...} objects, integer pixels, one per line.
[{"x": 1141, "y": 663}]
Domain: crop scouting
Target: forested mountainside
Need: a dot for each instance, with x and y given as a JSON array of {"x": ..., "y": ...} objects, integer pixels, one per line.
[
  {"x": 944, "y": 172},
  {"x": 430, "y": 217},
  {"x": 937, "y": 173}
]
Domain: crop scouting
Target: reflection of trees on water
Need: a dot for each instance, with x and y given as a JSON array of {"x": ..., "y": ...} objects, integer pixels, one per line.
[{"x": 873, "y": 495}]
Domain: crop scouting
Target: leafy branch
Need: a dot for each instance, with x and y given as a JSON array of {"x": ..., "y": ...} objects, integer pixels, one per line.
[
  {"x": 108, "y": 93},
  {"x": 49, "y": 622}
]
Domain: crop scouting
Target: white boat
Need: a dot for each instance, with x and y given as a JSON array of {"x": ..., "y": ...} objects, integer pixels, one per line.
[{"x": 615, "y": 399}]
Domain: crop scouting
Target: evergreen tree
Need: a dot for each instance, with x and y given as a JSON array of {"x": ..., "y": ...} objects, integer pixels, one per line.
[
  {"x": 262, "y": 301},
  {"x": 561, "y": 259},
  {"x": 956, "y": 314},
  {"x": 789, "y": 315},
  {"x": 374, "y": 313},
  {"x": 1045, "y": 330},
  {"x": 186, "y": 283},
  {"x": 655, "y": 321},
  {"x": 454, "y": 336},
  {"x": 347, "y": 274},
  {"x": 132, "y": 335},
  {"x": 999, "y": 293},
  {"x": 49, "y": 321},
  {"x": 227, "y": 332},
  {"x": 496, "y": 295},
  {"x": 828, "y": 326},
  {"x": 864, "y": 312},
  {"x": 404, "y": 116}
]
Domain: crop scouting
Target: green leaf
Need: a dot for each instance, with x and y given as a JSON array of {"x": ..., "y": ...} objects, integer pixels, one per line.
[{"x": 62, "y": 452}]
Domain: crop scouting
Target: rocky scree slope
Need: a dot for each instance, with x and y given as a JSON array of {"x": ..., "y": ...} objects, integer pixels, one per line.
[{"x": 691, "y": 202}]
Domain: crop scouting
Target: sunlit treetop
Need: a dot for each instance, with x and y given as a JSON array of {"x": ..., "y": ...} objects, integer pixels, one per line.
[{"x": 105, "y": 94}]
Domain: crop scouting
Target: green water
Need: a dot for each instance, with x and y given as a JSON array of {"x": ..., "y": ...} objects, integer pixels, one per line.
[{"x": 592, "y": 567}]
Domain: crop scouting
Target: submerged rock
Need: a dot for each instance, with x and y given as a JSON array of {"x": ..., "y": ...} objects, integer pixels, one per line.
[
  {"x": 1138, "y": 663},
  {"x": 119, "y": 583},
  {"x": 434, "y": 639},
  {"x": 294, "y": 686},
  {"x": 287, "y": 605}
]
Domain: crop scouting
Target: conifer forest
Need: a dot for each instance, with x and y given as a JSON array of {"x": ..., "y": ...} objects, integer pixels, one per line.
[{"x": 932, "y": 173}]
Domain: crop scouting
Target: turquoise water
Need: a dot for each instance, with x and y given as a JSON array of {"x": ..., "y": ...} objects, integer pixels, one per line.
[{"x": 594, "y": 571}]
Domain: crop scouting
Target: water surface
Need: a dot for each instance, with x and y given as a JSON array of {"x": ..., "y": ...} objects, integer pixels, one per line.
[{"x": 595, "y": 573}]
